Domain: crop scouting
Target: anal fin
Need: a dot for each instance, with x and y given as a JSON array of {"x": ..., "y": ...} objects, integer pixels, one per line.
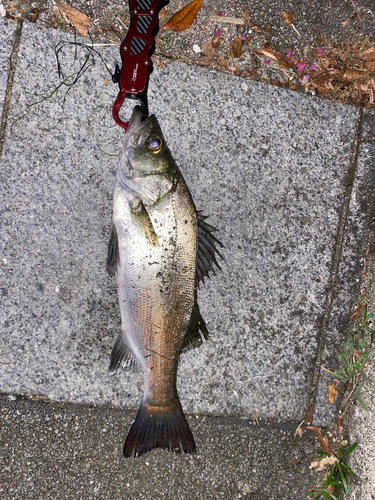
[{"x": 196, "y": 330}]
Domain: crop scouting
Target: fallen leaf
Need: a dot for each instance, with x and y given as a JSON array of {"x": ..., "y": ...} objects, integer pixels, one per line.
[
  {"x": 332, "y": 392},
  {"x": 268, "y": 53},
  {"x": 319, "y": 39},
  {"x": 309, "y": 413},
  {"x": 208, "y": 49},
  {"x": 163, "y": 12},
  {"x": 354, "y": 74},
  {"x": 237, "y": 47},
  {"x": 323, "y": 440},
  {"x": 246, "y": 15},
  {"x": 368, "y": 54},
  {"x": 288, "y": 17},
  {"x": 216, "y": 42},
  {"x": 299, "y": 432},
  {"x": 267, "y": 28},
  {"x": 184, "y": 18},
  {"x": 320, "y": 465},
  {"x": 79, "y": 20},
  {"x": 340, "y": 426}
]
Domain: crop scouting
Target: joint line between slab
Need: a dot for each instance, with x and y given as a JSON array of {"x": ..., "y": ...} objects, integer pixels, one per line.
[
  {"x": 8, "y": 91},
  {"x": 336, "y": 257}
]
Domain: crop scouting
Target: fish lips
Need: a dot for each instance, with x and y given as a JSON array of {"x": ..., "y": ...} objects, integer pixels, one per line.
[{"x": 138, "y": 128}]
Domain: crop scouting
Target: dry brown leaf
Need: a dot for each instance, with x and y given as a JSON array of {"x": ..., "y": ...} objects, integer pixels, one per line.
[
  {"x": 216, "y": 41},
  {"x": 319, "y": 39},
  {"x": 288, "y": 17},
  {"x": 323, "y": 440},
  {"x": 79, "y": 20},
  {"x": 368, "y": 54},
  {"x": 208, "y": 49},
  {"x": 320, "y": 464},
  {"x": 354, "y": 74},
  {"x": 369, "y": 64},
  {"x": 332, "y": 392},
  {"x": 340, "y": 426},
  {"x": 184, "y": 18},
  {"x": 246, "y": 15},
  {"x": 268, "y": 53},
  {"x": 237, "y": 47},
  {"x": 309, "y": 413},
  {"x": 299, "y": 432}
]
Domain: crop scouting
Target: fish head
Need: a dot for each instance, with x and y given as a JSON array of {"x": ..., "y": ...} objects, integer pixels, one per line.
[{"x": 146, "y": 166}]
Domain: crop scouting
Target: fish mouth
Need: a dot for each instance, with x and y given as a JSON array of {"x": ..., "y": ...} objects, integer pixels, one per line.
[{"x": 137, "y": 126}]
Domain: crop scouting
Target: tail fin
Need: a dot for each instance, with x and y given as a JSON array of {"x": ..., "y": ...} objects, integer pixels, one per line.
[{"x": 159, "y": 427}]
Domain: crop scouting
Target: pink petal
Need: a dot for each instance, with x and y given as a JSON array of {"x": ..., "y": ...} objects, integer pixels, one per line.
[
  {"x": 290, "y": 53},
  {"x": 301, "y": 66},
  {"x": 320, "y": 52},
  {"x": 267, "y": 61},
  {"x": 313, "y": 67},
  {"x": 220, "y": 13},
  {"x": 243, "y": 37},
  {"x": 305, "y": 79},
  {"x": 218, "y": 33}
]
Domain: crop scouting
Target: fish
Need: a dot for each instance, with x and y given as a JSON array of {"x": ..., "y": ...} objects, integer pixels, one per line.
[{"x": 160, "y": 250}]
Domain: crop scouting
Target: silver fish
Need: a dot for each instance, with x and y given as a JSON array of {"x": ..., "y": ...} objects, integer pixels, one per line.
[{"x": 160, "y": 249}]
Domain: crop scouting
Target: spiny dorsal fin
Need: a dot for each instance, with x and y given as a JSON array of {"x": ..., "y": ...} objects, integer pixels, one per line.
[
  {"x": 196, "y": 330},
  {"x": 122, "y": 356},
  {"x": 113, "y": 255},
  {"x": 207, "y": 251}
]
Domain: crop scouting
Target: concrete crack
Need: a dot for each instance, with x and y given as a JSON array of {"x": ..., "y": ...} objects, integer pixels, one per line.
[
  {"x": 8, "y": 92},
  {"x": 336, "y": 258}
]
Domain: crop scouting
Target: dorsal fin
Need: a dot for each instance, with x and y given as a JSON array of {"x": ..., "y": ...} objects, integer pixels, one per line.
[{"x": 207, "y": 251}]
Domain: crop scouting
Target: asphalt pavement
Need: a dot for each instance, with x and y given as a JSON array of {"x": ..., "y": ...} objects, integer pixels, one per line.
[{"x": 288, "y": 180}]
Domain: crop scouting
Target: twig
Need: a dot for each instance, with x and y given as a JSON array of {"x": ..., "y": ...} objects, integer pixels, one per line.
[{"x": 295, "y": 29}]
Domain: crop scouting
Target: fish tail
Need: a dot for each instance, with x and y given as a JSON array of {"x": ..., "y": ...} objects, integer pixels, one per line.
[{"x": 159, "y": 427}]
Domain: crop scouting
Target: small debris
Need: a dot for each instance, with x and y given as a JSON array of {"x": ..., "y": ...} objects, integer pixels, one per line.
[{"x": 224, "y": 19}]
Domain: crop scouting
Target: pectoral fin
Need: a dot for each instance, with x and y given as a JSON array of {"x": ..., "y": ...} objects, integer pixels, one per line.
[
  {"x": 123, "y": 356},
  {"x": 113, "y": 255},
  {"x": 144, "y": 223}
]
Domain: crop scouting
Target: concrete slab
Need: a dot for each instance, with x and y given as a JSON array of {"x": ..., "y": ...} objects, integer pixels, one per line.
[
  {"x": 268, "y": 165},
  {"x": 64, "y": 451}
]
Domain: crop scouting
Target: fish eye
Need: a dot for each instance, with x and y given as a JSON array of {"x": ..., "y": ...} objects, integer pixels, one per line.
[{"x": 154, "y": 144}]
